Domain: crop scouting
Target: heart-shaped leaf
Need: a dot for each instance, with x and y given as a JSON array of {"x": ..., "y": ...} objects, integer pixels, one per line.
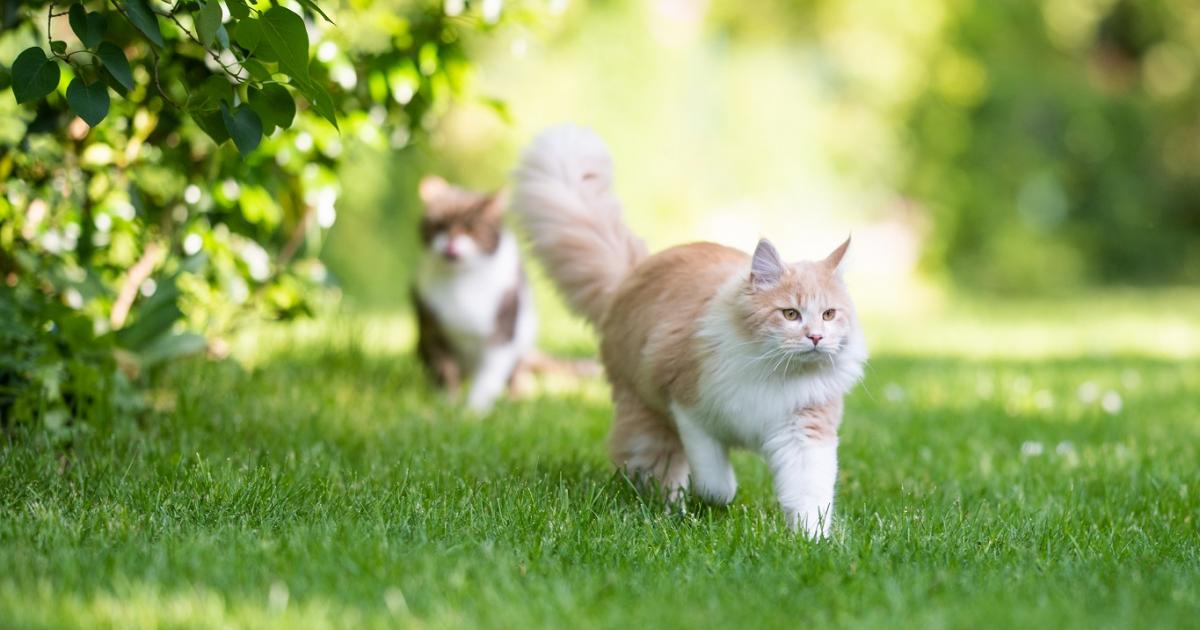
[
  {"x": 284, "y": 32},
  {"x": 58, "y": 46},
  {"x": 274, "y": 106},
  {"x": 211, "y": 123},
  {"x": 88, "y": 27},
  {"x": 208, "y": 20},
  {"x": 144, "y": 19},
  {"x": 33, "y": 75},
  {"x": 90, "y": 102},
  {"x": 114, "y": 60},
  {"x": 244, "y": 127}
]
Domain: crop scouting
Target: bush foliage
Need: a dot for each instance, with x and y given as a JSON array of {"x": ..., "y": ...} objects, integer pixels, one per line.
[{"x": 171, "y": 167}]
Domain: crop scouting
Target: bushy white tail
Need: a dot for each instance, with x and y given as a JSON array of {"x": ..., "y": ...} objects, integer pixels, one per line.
[{"x": 565, "y": 199}]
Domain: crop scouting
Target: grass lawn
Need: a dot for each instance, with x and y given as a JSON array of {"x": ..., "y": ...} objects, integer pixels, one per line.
[{"x": 1003, "y": 465}]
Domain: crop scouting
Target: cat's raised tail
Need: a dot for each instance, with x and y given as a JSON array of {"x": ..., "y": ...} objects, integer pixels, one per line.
[{"x": 564, "y": 198}]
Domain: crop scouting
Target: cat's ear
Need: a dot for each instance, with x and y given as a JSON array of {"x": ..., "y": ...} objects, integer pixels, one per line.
[
  {"x": 496, "y": 203},
  {"x": 432, "y": 187},
  {"x": 767, "y": 267},
  {"x": 833, "y": 262}
]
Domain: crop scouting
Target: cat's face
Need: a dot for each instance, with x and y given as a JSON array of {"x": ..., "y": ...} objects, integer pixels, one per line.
[
  {"x": 459, "y": 226},
  {"x": 801, "y": 310}
]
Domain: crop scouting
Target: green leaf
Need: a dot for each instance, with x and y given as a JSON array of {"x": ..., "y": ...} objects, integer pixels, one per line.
[
  {"x": 248, "y": 34},
  {"x": 284, "y": 32},
  {"x": 211, "y": 123},
  {"x": 223, "y": 37},
  {"x": 59, "y": 47},
  {"x": 33, "y": 75},
  {"x": 89, "y": 101},
  {"x": 88, "y": 27},
  {"x": 274, "y": 106},
  {"x": 144, "y": 19},
  {"x": 244, "y": 127},
  {"x": 238, "y": 9},
  {"x": 208, "y": 20},
  {"x": 215, "y": 90},
  {"x": 257, "y": 70},
  {"x": 312, "y": 6},
  {"x": 114, "y": 60},
  {"x": 320, "y": 100}
]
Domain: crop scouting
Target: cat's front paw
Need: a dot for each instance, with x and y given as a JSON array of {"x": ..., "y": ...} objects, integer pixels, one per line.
[{"x": 815, "y": 521}]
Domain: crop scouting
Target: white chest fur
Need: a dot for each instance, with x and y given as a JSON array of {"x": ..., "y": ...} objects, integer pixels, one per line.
[{"x": 466, "y": 298}]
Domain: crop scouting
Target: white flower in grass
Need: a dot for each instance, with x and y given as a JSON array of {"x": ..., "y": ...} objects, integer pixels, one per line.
[
  {"x": 1043, "y": 399},
  {"x": 1088, "y": 392},
  {"x": 277, "y": 598},
  {"x": 1111, "y": 402},
  {"x": 893, "y": 392},
  {"x": 1032, "y": 449},
  {"x": 1064, "y": 448}
]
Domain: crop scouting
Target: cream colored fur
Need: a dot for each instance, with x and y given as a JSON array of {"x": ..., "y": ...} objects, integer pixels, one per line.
[{"x": 706, "y": 347}]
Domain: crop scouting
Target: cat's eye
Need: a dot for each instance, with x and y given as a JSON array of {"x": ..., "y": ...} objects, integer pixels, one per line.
[
  {"x": 791, "y": 314},
  {"x": 829, "y": 314}
]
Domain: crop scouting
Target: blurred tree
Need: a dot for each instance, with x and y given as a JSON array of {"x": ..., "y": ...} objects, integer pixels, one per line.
[{"x": 1059, "y": 143}]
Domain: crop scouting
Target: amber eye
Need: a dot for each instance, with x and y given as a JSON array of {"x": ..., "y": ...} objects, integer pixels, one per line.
[
  {"x": 791, "y": 314},
  {"x": 829, "y": 314}
]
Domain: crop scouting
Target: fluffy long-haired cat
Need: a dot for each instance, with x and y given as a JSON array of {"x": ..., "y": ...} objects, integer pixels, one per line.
[
  {"x": 706, "y": 347},
  {"x": 474, "y": 307}
]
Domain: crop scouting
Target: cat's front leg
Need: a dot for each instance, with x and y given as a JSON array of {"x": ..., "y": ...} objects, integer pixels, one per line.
[
  {"x": 491, "y": 377},
  {"x": 712, "y": 477},
  {"x": 803, "y": 463}
]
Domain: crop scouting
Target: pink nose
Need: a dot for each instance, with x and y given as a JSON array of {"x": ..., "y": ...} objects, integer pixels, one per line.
[
  {"x": 450, "y": 252},
  {"x": 816, "y": 339}
]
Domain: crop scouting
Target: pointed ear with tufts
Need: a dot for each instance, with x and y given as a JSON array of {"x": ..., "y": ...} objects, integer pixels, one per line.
[
  {"x": 833, "y": 262},
  {"x": 767, "y": 267},
  {"x": 432, "y": 187}
]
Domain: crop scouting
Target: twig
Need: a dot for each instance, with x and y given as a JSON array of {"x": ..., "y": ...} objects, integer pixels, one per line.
[
  {"x": 129, "y": 289},
  {"x": 158, "y": 85}
]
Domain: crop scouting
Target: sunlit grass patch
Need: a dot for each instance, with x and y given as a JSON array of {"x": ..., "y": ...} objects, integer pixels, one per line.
[{"x": 320, "y": 483}]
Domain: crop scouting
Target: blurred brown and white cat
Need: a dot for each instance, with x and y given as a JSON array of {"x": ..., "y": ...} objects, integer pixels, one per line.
[
  {"x": 706, "y": 347},
  {"x": 474, "y": 306}
]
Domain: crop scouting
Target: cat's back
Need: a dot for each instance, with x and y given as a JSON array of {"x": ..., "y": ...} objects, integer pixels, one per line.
[{"x": 657, "y": 307}]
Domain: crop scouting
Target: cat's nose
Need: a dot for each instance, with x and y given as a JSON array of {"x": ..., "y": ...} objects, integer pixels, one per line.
[{"x": 816, "y": 339}]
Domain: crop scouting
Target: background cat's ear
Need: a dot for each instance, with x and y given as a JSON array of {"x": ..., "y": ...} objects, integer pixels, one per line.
[
  {"x": 432, "y": 187},
  {"x": 767, "y": 266},
  {"x": 497, "y": 202},
  {"x": 834, "y": 261}
]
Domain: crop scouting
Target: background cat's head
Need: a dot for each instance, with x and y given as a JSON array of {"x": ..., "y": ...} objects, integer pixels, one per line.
[
  {"x": 804, "y": 308},
  {"x": 459, "y": 226}
]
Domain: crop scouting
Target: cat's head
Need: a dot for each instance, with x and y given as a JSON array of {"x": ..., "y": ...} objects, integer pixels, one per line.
[
  {"x": 800, "y": 310},
  {"x": 459, "y": 226}
]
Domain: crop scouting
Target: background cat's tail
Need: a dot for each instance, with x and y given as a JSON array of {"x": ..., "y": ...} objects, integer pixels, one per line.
[{"x": 565, "y": 199}]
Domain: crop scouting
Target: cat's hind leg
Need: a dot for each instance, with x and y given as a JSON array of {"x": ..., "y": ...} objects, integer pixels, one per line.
[{"x": 645, "y": 446}]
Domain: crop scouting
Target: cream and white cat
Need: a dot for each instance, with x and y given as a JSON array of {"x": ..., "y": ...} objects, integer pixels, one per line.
[{"x": 706, "y": 347}]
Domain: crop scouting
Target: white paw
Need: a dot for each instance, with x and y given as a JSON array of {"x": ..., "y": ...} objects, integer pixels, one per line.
[
  {"x": 716, "y": 491},
  {"x": 815, "y": 522}
]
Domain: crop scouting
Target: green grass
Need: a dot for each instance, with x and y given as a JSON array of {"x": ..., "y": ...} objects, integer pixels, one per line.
[{"x": 317, "y": 483}]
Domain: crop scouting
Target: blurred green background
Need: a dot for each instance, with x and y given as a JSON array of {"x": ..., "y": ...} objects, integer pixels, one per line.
[{"x": 1018, "y": 148}]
